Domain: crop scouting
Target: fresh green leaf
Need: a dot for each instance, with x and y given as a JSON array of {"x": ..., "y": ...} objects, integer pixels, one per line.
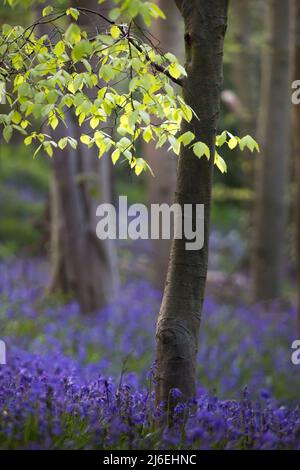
[
  {"x": 200, "y": 149},
  {"x": 47, "y": 10}
]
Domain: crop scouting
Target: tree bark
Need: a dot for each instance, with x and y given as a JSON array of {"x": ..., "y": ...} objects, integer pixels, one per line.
[
  {"x": 295, "y": 15},
  {"x": 273, "y": 129},
  {"x": 180, "y": 313},
  {"x": 161, "y": 188}
]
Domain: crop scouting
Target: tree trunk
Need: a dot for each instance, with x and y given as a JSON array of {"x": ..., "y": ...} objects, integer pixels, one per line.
[
  {"x": 295, "y": 15},
  {"x": 272, "y": 163},
  {"x": 82, "y": 265},
  {"x": 179, "y": 317},
  {"x": 244, "y": 78},
  {"x": 243, "y": 66},
  {"x": 161, "y": 188}
]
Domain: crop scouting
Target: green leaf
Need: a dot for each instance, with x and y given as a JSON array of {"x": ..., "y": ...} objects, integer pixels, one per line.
[
  {"x": 220, "y": 163},
  {"x": 73, "y": 34},
  {"x": 137, "y": 64},
  {"x": 16, "y": 117},
  {"x": 85, "y": 139},
  {"x": 249, "y": 142},
  {"x": 115, "y": 156},
  {"x": 59, "y": 49},
  {"x": 53, "y": 121},
  {"x": 175, "y": 145},
  {"x": 107, "y": 73},
  {"x": 47, "y": 10},
  {"x": 115, "y": 32},
  {"x": 81, "y": 118},
  {"x": 6, "y": 29},
  {"x": 176, "y": 70},
  {"x": 48, "y": 148},
  {"x": 62, "y": 143},
  {"x": 80, "y": 50},
  {"x": 37, "y": 150},
  {"x": 73, "y": 12},
  {"x": 133, "y": 84},
  {"x": 221, "y": 139},
  {"x": 94, "y": 122},
  {"x": 7, "y": 133},
  {"x": 186, "y": 138},
  {"x": 156, "y": 11},
  {"x": 17, "y": 61},
  {"x": 200, "y": 149},
  {"x": 139, "y": 166},
  {"x": 3, "y": 49},
  {"x": 147, "y": 134},
  {"x": 232, "y": 143},
  {"x": 186, "y": 110},
  {"x": 72, "y": 142},
  {"x": 170, "y": 57},
  {"x": 28, "y": 140}
]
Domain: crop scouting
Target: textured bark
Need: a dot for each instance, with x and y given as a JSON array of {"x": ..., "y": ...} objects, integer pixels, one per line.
[
  {"x": 179, "y": 317},
  {"x": 295, "y": 15},
  {"x": 272, "y": 163},
  {"x": 161, "y": 188}
]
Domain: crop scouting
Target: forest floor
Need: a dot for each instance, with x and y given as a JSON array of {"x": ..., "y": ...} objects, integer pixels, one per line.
[{"x": 74, "y": 381}]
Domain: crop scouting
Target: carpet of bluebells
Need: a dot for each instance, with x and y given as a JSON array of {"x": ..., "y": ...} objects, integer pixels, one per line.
[{"x": 86, "y": 382}]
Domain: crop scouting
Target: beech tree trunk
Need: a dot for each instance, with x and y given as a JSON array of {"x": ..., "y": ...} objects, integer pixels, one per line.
[
  {"x": 161, "y": 188},
  {"x": 295, "y": 15},
  {"x": 82, "y": 265},
  {"x": 180, "y": 313},
  {"x": 244, "y": 79},
  {"x": 273, "y": 127},
  {"x": 243, "y": 66}
]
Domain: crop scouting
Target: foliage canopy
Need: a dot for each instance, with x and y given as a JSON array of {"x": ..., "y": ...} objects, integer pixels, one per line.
[{"x": 113, "y": 79}]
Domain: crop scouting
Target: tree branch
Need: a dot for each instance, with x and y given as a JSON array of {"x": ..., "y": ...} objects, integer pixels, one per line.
[
  {"x": 158, "y": 67},
  {"x": 179, "y": 4}
]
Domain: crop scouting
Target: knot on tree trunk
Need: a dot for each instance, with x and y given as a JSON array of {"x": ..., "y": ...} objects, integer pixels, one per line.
[{"x": 180, "y": 341}]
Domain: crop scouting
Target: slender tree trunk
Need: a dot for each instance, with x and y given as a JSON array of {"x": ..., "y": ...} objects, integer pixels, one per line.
[
  {"x": 295, "y": 15},
  {"x": 272, "y": 163},
  {"x": 161, "y": 188},
  {"x": 179, "y": 317},
  {"x": 244, "y": 78},
  {"x": 243, "y": 66}
]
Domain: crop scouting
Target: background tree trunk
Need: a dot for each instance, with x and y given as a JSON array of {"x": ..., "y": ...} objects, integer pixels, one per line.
[
  {"x": 244, "y": 78},
  {"x": 273, "y": 127},
  {"x": 161, "y": 188},
  {"x": 179, "y": 317},
  {"x": 295, "y": 15},
  {"x": 243, "y": 65},
  {"x": 81, "y": 264}
]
